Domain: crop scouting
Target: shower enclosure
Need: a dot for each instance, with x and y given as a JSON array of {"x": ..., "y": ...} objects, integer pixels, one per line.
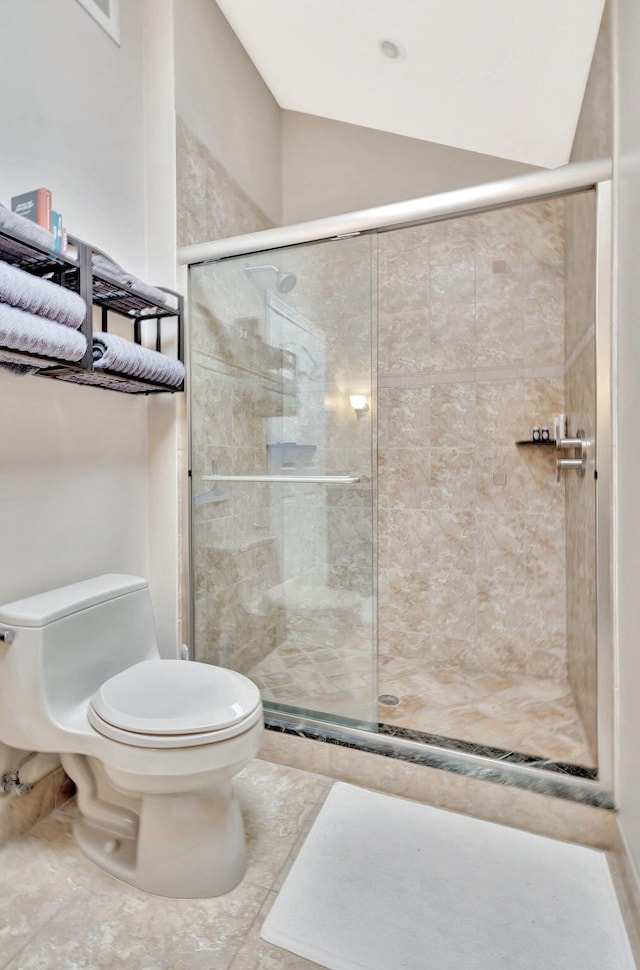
[{"x": 399, "y": 529}]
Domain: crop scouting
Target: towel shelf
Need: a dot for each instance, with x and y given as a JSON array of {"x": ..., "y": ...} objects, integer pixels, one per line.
[{"x": 100, "y": 289}]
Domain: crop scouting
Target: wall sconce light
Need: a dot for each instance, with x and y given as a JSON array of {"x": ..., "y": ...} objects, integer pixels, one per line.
[{"x": 359, "y": 404}]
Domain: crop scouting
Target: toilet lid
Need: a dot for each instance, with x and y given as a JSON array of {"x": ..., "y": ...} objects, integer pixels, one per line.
[{"x": 175, "y": 697}]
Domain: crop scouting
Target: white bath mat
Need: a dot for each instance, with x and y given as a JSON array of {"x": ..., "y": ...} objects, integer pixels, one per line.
[{"x": 387, "y": 884}]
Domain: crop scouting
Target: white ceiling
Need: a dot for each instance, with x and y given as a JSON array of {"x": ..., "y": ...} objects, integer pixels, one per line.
[{"x": 503, "y": 77}]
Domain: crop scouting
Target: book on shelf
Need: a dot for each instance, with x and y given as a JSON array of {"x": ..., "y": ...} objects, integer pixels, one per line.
[
  {"x": 59, "y": 233},
  {"x": 34, "y": 205}
]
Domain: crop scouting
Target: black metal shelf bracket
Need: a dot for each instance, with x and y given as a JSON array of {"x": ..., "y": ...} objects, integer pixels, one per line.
[{"x": 96, "y": 289}]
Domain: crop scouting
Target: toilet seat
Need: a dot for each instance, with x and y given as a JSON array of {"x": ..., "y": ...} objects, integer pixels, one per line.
[{"x": 171, "y": 703}]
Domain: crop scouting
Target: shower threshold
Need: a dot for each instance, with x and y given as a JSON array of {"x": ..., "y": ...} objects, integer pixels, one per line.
[{"x": 570, "y": 782}]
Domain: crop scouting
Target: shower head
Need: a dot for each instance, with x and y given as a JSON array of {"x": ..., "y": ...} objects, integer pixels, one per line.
[{"x": 285, "y": 281}]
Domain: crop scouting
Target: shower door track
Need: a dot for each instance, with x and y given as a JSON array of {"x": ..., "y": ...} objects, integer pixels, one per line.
[
  {"x": 533, "y": 187},
  {"x": 531, "y": 777}
]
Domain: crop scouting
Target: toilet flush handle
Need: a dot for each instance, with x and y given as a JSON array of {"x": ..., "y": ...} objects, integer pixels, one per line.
[{"x": 7, "y": 636}]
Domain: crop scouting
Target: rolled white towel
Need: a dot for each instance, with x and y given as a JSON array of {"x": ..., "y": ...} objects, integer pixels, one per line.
[
  {"x": 114, "y": 353},
  {"x": 29, "y": 230},
  {"x": 102, "y": 264},
  {"x": 42, "y": 297},
  {"x": 18, "y": 370},
  {"x": 26, "y": 332}
]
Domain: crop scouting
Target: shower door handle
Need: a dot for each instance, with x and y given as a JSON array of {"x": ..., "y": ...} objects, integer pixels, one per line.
[{"x": 295, "y": 479}]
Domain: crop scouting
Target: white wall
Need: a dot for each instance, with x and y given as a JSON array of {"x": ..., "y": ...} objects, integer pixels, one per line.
[
  {"x": 628, "y": 418},
  {"x": 331, "y": 167},
  {"x": 223, "y": 100},
  {"x": 72, "y": 119},
  {"x": 75, "y": 490},
  {"x": 160, "y": 221}
]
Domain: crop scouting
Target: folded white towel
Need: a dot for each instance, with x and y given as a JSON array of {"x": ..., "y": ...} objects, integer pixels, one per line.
[
  {"x": 102, "y": 264},
  {"x": 25, "y": 331},
  {"x": 29, "y": 230},
  {"x": 114, "y": 353},
  {"x": 45, "y": 299}
]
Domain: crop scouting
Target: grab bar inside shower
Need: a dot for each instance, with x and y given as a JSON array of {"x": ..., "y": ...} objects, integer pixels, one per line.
[{"x": 296, "y": 479}]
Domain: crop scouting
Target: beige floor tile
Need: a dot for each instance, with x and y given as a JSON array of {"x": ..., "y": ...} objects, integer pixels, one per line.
[
  {"x": 255, "y": 954},
  {"x": 58, "y": 910},
  {"x": 38, "y": 874},
  {"x": 276, "y": 803},
  {"x": 112, "y": 925}
]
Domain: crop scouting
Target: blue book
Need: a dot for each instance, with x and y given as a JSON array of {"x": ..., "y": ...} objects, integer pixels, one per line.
[{"x": 56, "y": 229}]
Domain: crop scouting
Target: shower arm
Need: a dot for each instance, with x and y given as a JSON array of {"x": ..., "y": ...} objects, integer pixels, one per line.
[{"x": 295, "y": 479}]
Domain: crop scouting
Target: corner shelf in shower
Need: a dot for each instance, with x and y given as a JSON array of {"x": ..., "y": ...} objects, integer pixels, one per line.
[
  {"x": 98, "y": 289},
  {"x": 538, "y": 444}
]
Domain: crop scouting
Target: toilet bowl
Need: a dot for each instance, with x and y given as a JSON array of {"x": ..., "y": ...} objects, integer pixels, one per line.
[{"x": 152, "y": 744}]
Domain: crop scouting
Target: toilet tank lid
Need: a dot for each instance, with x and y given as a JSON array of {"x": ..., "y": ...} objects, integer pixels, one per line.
[{"x": 45, "y": 608}]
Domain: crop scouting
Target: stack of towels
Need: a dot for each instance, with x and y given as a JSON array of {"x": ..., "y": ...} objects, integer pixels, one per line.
[
  {"x": 115, "y": 354},
  {"x": 120, "y": 356},
  {"x": 38, "y": 317}
]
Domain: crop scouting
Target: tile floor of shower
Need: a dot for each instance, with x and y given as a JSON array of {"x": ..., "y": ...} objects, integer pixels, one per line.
[{"x": 515, "y": 712}]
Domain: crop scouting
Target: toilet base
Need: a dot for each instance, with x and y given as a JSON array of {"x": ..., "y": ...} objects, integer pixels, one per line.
[{"x": 187, "y": 846}]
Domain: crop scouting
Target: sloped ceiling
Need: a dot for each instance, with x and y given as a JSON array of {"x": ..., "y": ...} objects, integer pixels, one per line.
[{"x": 502, "y": 77}]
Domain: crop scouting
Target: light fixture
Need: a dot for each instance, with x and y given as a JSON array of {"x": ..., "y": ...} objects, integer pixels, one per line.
[
  {"x": 359, "y": 404},
  {"x": 392, "y": 49}
]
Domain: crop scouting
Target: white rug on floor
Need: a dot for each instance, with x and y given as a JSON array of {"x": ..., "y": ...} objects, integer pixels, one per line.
[{"x": 382, "y": 883}]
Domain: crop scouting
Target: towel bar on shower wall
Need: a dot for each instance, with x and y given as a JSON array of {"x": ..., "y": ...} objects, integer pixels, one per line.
[{"x": 296, "y": 479}]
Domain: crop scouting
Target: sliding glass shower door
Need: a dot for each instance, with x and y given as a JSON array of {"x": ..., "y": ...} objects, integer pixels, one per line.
[{"x": 283, "y": 525}]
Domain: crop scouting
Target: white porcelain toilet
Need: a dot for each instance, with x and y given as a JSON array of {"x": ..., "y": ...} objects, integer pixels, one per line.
[{"x": 151, "y": 744}]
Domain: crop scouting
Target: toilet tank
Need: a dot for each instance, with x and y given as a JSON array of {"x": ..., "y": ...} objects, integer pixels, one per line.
[{"x": 66, "y": 643}]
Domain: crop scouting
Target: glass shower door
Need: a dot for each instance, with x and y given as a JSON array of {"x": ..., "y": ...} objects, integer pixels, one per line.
[{"x": 283, "y": 527}]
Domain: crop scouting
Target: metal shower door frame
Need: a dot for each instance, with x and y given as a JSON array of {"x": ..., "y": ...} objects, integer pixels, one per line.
[{"x": 575, "y": 177}]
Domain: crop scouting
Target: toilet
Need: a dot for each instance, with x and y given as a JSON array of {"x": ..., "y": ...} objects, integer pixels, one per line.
[{"x": 152, "y": 744}]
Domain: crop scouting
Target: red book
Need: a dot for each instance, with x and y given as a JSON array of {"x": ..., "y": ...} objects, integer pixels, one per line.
[{"x": 35, "y": 205}]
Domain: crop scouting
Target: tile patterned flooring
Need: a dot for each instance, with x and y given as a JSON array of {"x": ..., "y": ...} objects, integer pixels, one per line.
[
  {"x": 516, "y": 712},
  {"x": 60, "y": 912}
]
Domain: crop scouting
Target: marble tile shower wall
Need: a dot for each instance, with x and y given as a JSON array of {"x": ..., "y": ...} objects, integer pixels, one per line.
[
  {"x": 263, "y": 555},
  {"x": 236, "y": 548},
  {"x": 471, "y": 357},
  {"x": 326, "y": 533},
  {"x": 334, "y": 295},
  {"x": 471, "y": 350},
  {"x": 234, "y": 552},
  {"x": 210, "y": 203}
]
